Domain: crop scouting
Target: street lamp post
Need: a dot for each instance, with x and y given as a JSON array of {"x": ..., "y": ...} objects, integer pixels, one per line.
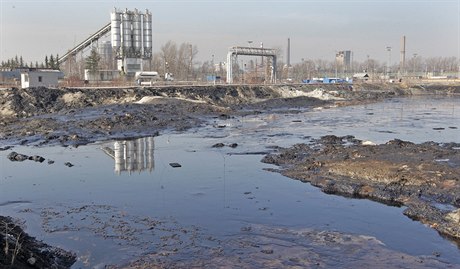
[
  {"x": 242, "y": 72},
  {"x": 415, "y": 57},
  {"x": 213, "y": 70},
  {"x": 389, "y": 61}
]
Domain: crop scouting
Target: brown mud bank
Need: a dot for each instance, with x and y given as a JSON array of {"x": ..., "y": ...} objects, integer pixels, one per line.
[
  {"x": 425, "y": 177},
  {"x": 19, "y": 250},
  {"x": 75, "y": 116}
]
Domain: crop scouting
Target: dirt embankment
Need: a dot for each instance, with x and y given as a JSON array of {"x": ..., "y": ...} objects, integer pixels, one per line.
[
  {"x": 78, "y": 116},
  {"x": 423, "y": 177}
]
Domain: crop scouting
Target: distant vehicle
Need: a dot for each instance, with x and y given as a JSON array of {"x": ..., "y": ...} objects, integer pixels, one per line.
[
  {"x": 327, "y": 80},
  {"x": 169, "y": 77},
  {"x": 146, "y": 78}
]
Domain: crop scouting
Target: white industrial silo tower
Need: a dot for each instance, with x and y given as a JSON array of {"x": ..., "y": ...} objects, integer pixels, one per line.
[
  {"x": 147, "y": 35},
  {"x": 137, "y": 33},
  {"x": 115, "y": 21},
  {"x": 131, "y": 39}
]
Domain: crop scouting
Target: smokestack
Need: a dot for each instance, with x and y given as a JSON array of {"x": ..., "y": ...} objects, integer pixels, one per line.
[
  {"x": 289, "y": 53},
  {"x": 402, "y": 62}
]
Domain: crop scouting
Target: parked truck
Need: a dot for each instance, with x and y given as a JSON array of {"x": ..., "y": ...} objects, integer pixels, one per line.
[{"x": 146, "y": 78}]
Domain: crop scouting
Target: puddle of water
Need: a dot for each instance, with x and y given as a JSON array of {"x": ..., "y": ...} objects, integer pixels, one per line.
[{"x": 215, "y": 191}]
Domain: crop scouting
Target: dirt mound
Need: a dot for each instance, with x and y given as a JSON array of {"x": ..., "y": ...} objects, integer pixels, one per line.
[
  {"x": 37, "y": 101},
  {"x": 424, "y": 177},
  {"x": 75, "y": 116}
]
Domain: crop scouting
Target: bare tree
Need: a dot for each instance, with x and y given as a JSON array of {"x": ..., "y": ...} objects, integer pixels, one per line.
[
  {"x": 186, "y": 55},
  {"x": 178, "y": 60},
  {"x": 168, "y": 53}
]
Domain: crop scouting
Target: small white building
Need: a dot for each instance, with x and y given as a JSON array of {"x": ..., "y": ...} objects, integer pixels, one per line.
[
  {"x": 40, "y": 78},
  {"x": 361, "y": 76}
]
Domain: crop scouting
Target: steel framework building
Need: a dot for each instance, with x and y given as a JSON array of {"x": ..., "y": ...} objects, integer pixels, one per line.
[{"x": 233, "y": 53}]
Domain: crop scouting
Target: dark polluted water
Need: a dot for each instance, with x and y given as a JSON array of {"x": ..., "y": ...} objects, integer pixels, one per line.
[{"x": 176, "y": 192}]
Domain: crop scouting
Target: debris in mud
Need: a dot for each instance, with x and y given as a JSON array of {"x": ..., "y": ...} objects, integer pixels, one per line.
[
  {"x": 68, "y": 164},
  {"x": 218, "y": 145},
  {"x": 396, "y": 173},
  {"x": 19, "y": 250},
  {"x": 175, "y": 165},
  {"x": 221, "y": 145},
  {"x": 17, "y": 157},
  {"x": 37, "y": 158}
]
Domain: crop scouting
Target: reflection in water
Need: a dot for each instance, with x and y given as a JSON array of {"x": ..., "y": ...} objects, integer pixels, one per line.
[{"x": 132, "y": 155}]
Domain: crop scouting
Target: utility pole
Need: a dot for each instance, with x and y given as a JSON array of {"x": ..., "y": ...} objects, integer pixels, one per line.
[
  {"x": 288, "y": 57},
  {"x": 213, "y": 69},
  {"x": 389, "y": 61},
  {"x": 190, "y": 65}
]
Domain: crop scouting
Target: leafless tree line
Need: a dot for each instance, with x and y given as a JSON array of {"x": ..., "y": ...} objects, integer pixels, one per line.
[
  {"x": 181, "y": 61},
  {"x": 414, "y": 66},
  {"x": 176, "y": 59}
]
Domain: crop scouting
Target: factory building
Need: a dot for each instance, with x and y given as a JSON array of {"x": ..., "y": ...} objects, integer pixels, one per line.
[
  {"x": 130, "y": 45},
  {"x": 131, "y": 34}
]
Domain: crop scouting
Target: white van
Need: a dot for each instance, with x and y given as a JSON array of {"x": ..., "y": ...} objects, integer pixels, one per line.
[{"x": 146, "y": 78}]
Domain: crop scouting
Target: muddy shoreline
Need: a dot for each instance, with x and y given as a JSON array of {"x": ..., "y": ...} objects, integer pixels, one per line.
[
  {"x": 424, "y": 178},
  {"x": 416, "y": 176},
  {"x": 77, "y": 116}
]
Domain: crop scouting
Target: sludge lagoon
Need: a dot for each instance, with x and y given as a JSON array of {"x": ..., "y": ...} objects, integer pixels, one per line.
[{"x": 123, "y": 203}]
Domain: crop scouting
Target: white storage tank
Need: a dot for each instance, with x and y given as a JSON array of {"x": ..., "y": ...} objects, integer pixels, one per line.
[
  {"x": 148, "y": 34},
  {"x": 137, "y": 32},
  {"x": 127, "y": 31},
  {"x": 115, "y": 29}
]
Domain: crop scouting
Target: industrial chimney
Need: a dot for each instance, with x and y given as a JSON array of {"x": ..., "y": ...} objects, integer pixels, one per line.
[
  {"x": 289, "y": 53},
  {"x": 402, "y": 62}
]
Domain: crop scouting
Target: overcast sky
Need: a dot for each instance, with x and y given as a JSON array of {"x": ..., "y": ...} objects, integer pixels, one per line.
[{"x": 317, "y": 29}]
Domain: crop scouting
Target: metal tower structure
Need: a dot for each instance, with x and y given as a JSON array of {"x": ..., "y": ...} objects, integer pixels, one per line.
[
  {"x": 86, "y": 43},
  {"x": 233, "y": 53}
]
